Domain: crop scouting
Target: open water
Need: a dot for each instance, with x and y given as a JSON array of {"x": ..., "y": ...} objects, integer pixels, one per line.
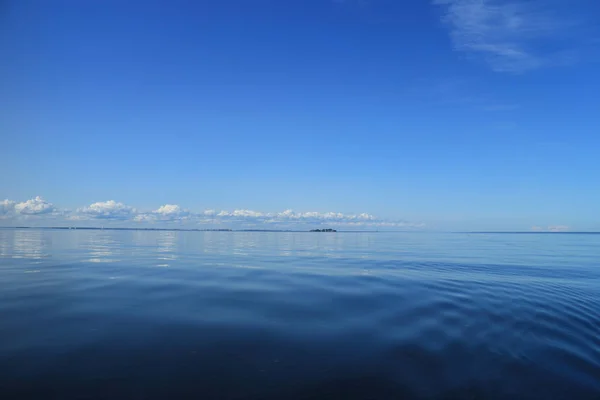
[{"x": 101, "y": 314}]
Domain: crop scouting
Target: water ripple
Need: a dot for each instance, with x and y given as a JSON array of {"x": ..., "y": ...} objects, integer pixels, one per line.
[{"x": 252, "y": 315}]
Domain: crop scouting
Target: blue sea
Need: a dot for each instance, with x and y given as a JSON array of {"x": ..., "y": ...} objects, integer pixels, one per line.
[{"x": 104, "y": 314}]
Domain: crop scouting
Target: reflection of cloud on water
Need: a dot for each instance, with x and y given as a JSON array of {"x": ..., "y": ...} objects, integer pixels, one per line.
[
  {"x": 167, "y": 247},
  {"x": 332, "y": 244},
  {"x": 30, "y": 243},
  {"x": 143, "y": 243},
  {"x": 5, "y": 243},
  {"x": 102, "y": 247},
  {"x": 244, "y": 243},
  {"x": 217, "y": 242},
  {"x": 329, "y": 245}
]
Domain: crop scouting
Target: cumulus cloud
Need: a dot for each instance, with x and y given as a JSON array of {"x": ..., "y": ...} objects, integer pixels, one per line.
[
  {"x": 108, "y": 210},
  {"x": 511, "y": 36},
  {"x": 290, "y": 217},
  {"x": 7, "y": 207},
  {"x": 35, "y": 206},
  {"x": 144, "y": 217},
  {"x": 241, "y": 214},
  {"x": 115, "y": 211},
  {"x": 167, "y": 212},
  {"x": 170, "y": 212},
  {"x": 170, "y": 209}
]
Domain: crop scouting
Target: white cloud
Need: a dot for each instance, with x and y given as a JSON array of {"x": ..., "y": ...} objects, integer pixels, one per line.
[
  {"x": 35, "y": 206},
  {"x": 171, "y": 212},
  {"x": 558, "y": 228},
  {"x": 169, "y": 209},
  {"x": 290, "y": 217},
  {"x": 508, "y": 35},
  {"x": 379, "y": 224},
  {"x": 240, "y": 214},
  {"x": 145, "y": 218},
  {"x": 108, "y": 210},
  {"x": 167, "y": 212},
  {"x": 286, "y": 214},
  {"x": 551, "y": 228},
  {"x": 238, "y": 218},
  {"x": 7, "y": 207},
  {"x": 75, "y": 218}
]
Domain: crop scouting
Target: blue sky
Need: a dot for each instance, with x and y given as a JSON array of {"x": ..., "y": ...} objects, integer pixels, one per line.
[{"x": 443, "y": 114}]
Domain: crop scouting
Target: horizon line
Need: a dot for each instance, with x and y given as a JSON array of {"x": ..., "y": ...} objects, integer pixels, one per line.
[{"x": 284, "y": 230}]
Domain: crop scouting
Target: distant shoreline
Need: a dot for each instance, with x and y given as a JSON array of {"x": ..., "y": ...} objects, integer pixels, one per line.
[
  {"x": 95, "y": 228},
  {"x": 534, "y": 233}
]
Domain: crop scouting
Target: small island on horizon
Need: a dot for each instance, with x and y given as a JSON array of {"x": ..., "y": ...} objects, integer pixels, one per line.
[{"x": 323, "y": 230}]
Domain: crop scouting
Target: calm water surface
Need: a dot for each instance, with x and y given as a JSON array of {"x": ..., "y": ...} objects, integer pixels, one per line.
[{"x": 223, "y": 315}]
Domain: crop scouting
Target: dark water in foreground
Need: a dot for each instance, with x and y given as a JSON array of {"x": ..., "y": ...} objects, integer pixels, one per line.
[{"x": 208, "y": 315}]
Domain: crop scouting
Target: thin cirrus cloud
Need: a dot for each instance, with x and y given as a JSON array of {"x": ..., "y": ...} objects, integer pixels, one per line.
[
  {"x": 510, "y": 36},
  {"x": 118, "y": 212}
]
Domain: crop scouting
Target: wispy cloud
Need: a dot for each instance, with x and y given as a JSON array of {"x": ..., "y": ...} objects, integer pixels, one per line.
[
  {"x": 551, "y": 228},
  {"x": 511, "y": 36},
  {"x": 171, "y": 213}
]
